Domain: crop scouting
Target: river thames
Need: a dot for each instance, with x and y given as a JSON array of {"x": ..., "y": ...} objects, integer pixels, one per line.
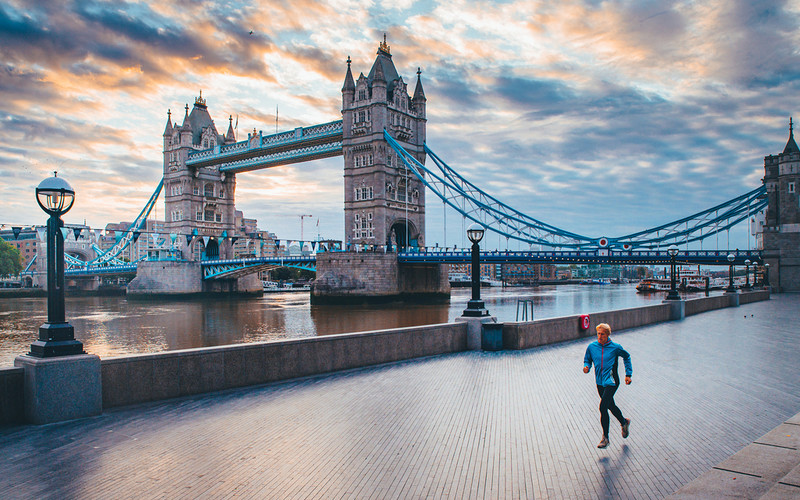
[{"x": 113, "y": 326}]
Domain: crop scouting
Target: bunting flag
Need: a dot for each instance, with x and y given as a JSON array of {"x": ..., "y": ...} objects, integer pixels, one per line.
[
  {"x": 233, "y": 240},
  {"x": 194, "y": 232},
  {"x": 16, "y": 230},
  {"x": 313, "y": 246},
  {"x": 65, "y": 232},
  {"x": 173, "y": 237},
  {"x": 41, "y": 231},
  {"x": 224, "y": 234},
  {"x": 277, "y": 243},
  {"x": 154, "y": 237},
  {"x": 76, "y": 231},
  {"x": 117, "y": 236},
  {"x": 205, "y": 240},
  {"x": 98, "y": 234},
  {"x": 189, "y": 238},
  {"x": 136, "y": 236}
]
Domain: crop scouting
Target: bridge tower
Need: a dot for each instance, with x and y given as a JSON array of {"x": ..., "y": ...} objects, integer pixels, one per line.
[
  {"x": 781, "y": 231},
  {"x": 384, "y": 204},
  {"x": 199, "y": 199}
]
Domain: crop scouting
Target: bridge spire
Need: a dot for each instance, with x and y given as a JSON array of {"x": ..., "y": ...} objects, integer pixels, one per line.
[
  {"x": 349, "y": 83},
  {"x": 791, "y": 145},
  {"x": 230, "y": 136},
  {"x": 168, "y": 128},
  {"x": 419, "y": 94}
]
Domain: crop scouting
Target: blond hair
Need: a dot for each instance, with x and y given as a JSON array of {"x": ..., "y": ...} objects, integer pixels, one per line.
[{"x": 604, "y": 327}]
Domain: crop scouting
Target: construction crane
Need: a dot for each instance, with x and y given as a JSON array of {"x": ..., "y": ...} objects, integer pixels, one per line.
[{"x": 301, "y": 226}]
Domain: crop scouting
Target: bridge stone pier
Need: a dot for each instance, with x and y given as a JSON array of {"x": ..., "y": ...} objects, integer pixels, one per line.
[
  {"x": 353, "y": 277},
  {"x": 176, "y": 278},
  {"x": 781, "y": 231}
]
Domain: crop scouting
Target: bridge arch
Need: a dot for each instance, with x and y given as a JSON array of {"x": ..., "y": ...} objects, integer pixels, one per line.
[{"x": 396, "y": 239}]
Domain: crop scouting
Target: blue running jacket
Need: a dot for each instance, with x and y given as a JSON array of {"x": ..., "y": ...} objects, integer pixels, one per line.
[{"x": 604, "y": 358}]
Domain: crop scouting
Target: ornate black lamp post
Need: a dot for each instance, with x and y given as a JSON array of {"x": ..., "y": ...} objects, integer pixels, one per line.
[
  {"x": 747, "y": 274},
  {"x": 56, "y": 336},
  {"x": 475, "y": 307},
  {"x": 766, "y": 275},
  {"x": 672, "y": 251},
  {"x": 730, "y": 288}
]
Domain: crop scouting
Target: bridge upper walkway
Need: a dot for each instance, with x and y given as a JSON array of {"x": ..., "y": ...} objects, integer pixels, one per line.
[{"x": 496, "y": 425}]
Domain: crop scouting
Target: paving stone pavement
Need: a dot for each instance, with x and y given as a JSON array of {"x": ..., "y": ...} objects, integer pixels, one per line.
[{"x": 511, "y": 424}]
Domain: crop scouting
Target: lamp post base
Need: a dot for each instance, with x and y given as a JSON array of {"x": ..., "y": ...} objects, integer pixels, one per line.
[
  {"x": 475, "y": 309},
  {"x": 56, "y": 339},
  {"x": 673, "y": 295}
]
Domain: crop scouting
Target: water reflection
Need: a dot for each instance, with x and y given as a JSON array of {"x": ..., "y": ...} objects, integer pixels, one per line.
[{"x": 112, "y": 326}]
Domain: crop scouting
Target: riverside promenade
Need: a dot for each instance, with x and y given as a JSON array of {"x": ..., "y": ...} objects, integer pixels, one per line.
[{"x": 509, "y": 424}]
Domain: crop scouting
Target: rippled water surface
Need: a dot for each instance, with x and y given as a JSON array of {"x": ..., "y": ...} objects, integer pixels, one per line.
[{"x": 111, "y": 326}]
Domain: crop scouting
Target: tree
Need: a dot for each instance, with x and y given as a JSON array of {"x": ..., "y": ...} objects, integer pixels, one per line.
[{"x": 10, "y": 260}]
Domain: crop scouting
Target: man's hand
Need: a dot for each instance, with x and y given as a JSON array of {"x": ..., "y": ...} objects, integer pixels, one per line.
[
  {"x": 586, "y": 370},
  {"x": 627, "y": 381}
]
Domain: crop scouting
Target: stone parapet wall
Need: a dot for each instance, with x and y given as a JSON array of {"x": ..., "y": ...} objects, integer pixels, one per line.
[
  {"x": 150, "y": 377},
  {"x": 550, "y": 331}
]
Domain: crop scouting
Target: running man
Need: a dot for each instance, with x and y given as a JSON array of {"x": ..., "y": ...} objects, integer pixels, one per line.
[{"x": 603, "y": 353}]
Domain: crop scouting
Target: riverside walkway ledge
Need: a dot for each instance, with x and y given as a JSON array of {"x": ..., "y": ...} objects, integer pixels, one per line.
[{"x": 472, "y": 424}]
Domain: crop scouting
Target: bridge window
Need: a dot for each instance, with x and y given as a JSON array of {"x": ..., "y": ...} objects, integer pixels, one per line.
[
  {"x": 208, "y": 190},
  {"x": 791, "y": 187},
  {"x": 361, "y": 116},
  {"x": 362, "y": 94},
  {"x": 195, "y": 190},
  {"x": 221, "y": 193},
  {"x": 198, "y": 216},
  {"x": 205, "y": 143},
  {"x": 219, "y": 217},
  {"x": 209, "y": 215}
]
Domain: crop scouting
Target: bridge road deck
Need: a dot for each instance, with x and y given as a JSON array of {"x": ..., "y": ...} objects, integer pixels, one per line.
[{"x": 471, "y": 425}]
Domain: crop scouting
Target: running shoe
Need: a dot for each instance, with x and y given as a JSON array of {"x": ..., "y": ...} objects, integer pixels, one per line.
[
  {"x": 625, "y": 428},
  {"x": 603, "y": 443}
]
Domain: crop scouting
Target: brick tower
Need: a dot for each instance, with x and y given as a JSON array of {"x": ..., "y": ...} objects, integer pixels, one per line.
[
  {"x": 781, "y": 231},
  {"x": 197, "y": 198},
  {"x": 384, "y": 203}
]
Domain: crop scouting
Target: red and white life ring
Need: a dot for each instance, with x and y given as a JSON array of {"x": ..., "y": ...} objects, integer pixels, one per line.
[
  {"x": 603, "y": 242},
  {"x": 585, "y": 322}
]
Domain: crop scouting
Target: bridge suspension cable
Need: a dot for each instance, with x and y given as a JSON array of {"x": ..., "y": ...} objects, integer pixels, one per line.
[
  {"x": 474, "y": 204},
  {"x": 109, "y": 257}
]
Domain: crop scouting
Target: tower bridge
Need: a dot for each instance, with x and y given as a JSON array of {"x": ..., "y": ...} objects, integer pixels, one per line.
[{"x": 382, "y": 139}]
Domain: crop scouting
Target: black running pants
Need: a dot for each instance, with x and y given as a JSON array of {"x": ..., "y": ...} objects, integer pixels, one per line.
[{"x": 607, "y": 404}]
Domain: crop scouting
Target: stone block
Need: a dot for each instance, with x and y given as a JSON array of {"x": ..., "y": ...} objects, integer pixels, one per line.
[
  {"x": 792, "y": 478},
  {"x": 255, "y": 364},
  {"x": 234, "y": 367},
  {"x": 166, "y": 377},
  {"x": 769, "y": 462},
  {"x": 12, "y": 396},
  {"x": 212, "y": 371},
  {"x": 190, "y": 369},
  {"x": 786, "y": 435},
  {"x": 114, "y": 376},
  {"x": 720, "y": 484},
  {"x": 140, "y": 380},
  {"x": 61, "y": 388}
]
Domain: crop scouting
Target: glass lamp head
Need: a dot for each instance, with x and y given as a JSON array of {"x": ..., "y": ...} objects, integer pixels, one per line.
[
  {"x": 731, "y": 258},
  {"x": 475, "y": 233},
  {"x": 55, "y": 195},
  {"x": 747, "y": 262}
]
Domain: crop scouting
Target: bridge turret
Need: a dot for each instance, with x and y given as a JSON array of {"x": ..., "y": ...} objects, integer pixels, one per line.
[
  {"x": 384, "y": 203},
  {"x": 781, "y": 230}
]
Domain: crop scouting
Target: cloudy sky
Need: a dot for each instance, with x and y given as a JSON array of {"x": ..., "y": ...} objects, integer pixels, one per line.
[{"x": 600, "y": 117}]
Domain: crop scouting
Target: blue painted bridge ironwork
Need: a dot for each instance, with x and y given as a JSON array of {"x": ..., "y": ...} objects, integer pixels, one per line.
[
  {"x": 298, "y": 145},
  {"x": 601, "y": 256},
  {"x": 235, "y": 268}
]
